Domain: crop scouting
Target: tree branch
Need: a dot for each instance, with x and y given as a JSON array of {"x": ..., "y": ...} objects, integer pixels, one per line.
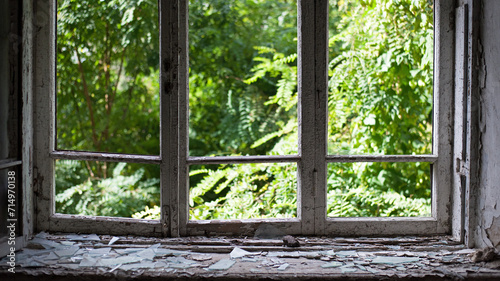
[{"x": 87, "y": 98}]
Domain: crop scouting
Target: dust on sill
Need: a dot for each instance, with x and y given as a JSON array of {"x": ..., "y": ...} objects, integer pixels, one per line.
[{"x": 226, "y": 257}]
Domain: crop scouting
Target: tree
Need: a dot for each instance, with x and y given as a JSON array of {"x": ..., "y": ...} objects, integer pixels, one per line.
[
  {"x": 107, "y": 76},
  {"x": 107, "y": 100},
  {"x": 380, "y": 102},
  {"x": 227, "y": 114},
  {"x": 243, "y": 98}
]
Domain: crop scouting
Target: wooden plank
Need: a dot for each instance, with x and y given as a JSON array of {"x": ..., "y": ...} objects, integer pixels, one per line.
[
  {"x": 473, "y": 145},
  {"x": 247, "y": 227},
  {"x": 442, "y": 180},
  {"x": 44, "y": 48},
  {"x": 460, "y": 113},
  {"x": 28, "y": 215},
  {"x": 307, "y": 170},
  {"x": 243, "y": 159},
  {"x": 105, "y": 225},
  {"x": 381, "y": 158},
  {"x": 356, "y": 227},
  {"x": 105, "y": 157},
  {"x": 183, "y": 186},
  {"x": 321, "y": 113},
  {"x": 169, "y": 117}
]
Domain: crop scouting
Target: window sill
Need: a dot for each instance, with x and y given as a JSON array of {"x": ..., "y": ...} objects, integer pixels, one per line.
[{"x": 422, "y": 258}]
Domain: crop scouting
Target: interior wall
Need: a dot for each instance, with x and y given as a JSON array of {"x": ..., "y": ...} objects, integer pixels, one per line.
[{"x": 488, "y": 211}]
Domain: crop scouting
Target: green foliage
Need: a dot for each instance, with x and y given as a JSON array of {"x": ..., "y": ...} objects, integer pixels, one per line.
[
  {"x": 121, "y": 195},
  {"x": 243, "y": 100},
  {"x": 107, "y": 69},
  {"x": 227, "y": 115},
  {"x": 380, "y": 102},
  {"x": 148, "y": 213},
  {"x": 378, "y": 189},
  {"x": 245, "y": 191},
  {"x": 381, "y": 83}
]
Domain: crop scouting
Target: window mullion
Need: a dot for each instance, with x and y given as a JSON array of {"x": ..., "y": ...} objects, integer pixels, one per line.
[
  {"x": 169, "y": 66},
  {"x": 44, "y": 98},
  {"x": 321, "y": 111},
  {"x": 312, "y": 79},
  {"x": 183, "y": 184},
  {"x": 443, "y": 109}
]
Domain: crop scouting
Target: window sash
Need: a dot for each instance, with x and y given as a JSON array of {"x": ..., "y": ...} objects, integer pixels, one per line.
[{"x": 312, "y": 159}]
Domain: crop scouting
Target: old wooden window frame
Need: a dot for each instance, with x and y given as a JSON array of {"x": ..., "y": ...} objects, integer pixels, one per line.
[
  {"x": 20, "y": 88},
  {"x": 312, "y": 158}
]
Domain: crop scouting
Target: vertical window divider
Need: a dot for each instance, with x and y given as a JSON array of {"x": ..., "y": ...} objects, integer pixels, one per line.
[
  {"x": 169, "y": 121},
  {"x": 306, "y": 67},
  {"x": 444, "y": 33},
  {"x": 321, "y": 112},
  {"x": 183, "y": 184},
  {"x": 44, "y": 87}
]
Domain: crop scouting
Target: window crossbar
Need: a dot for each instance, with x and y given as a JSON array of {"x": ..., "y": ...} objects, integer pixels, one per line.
[
  {"x": 381, "y": 158},
  {"x": 105, "y": 157}
]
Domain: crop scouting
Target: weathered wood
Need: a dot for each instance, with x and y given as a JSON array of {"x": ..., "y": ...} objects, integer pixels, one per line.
[
  {"x": 321, "y": 113},
  {"x": 247, "y": 227},
  {"x": 460, "y": 112},
  {"x": 442, "y": 180},
  {"x": 473, "y": 131},
  {"x": 169, "y": 115},
  {"x": 174, "y": 161},
  {"x": 243, "y": 159},
  {"x": 379, "y": 226},
  {"x": 44, "y": 20},
  {"x": 183, "y": 186},
  {"x": 28, "y": 198},
  {"x": 105, "y": 157},
  {"x": 307, "y": 170},
  {"x": 381, "y": 158},
  {"x": 104, "y": 225}
]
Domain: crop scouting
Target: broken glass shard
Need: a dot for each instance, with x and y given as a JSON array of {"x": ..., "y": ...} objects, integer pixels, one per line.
[
  {"x": 238, "y": 253},
  {"x": 99, "y": 252},
  {"x": 113, "y": 240},
  {"x": 89, "y": 237},
  {"x": 283, "y": 267},
  {"x": 394, "y": 260},
  {"x": 223, "y": 264},
  {"x": 332, "y": 264}
]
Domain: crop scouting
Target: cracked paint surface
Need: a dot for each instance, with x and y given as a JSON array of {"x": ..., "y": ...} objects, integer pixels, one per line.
[
  {"x": 222, "y": 257},
  {"x": 488, "y": 229}
]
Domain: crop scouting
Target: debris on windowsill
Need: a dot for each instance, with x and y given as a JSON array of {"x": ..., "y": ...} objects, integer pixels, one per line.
[
  {"x": 223, "y": 264},
  {"x": 290, "y": 241},
  {"x": 486, "y": 255},
  {"x": 219, "y": 256}
]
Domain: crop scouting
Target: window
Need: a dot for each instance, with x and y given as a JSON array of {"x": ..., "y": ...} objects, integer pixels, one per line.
[{"x": 311, "y": 160}]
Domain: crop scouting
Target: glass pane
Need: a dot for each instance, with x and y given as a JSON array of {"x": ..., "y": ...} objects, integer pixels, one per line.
[
  {"x": 243, "y": 191},
  {"x": 379, "y": 189},
  {"x": 242, "y": 77},
  {"x": 381, "y": 67},
  {"x": 107, "y": 76},
  {"x": 107, "y": 189}
]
